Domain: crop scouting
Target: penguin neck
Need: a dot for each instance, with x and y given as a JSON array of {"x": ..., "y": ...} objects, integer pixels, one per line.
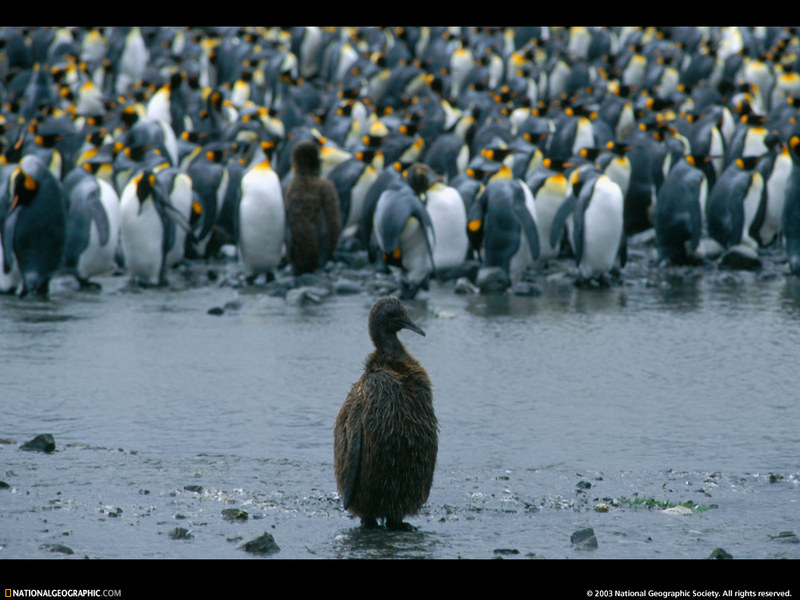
[{"x": 388, "y": 348}]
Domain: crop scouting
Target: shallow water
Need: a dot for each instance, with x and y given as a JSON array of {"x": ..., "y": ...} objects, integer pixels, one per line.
[{"x": 674, "y": 389}]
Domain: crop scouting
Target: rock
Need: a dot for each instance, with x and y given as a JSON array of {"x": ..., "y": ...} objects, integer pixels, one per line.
[
  {"x": 194, "y": 488},
  {"x": 217, "y": 310},
  {"x": 719, "y": 554},
  {"x": 263, "y": 544},
  {"x": 788, "y": 537},
  {"x": 740, "y": 258},
  {"x": 234, "y": 514},
  {"x": 506, "y": 551},
  {"x": 58, "y": 548},
  {"x": 41, "y": 443},
  {"x": 4, "y": 485},
  {"x": 584, "y": 485},
  {"x": 601, "y": 507},
  {"x": 584, "y": 539},
  {"x": 180, "y": 533}
]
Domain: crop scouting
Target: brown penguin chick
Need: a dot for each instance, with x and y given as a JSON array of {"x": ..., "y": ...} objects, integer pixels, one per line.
[
  {"x": 385, "y": 438},
  {"x": 313, "y": 214}
]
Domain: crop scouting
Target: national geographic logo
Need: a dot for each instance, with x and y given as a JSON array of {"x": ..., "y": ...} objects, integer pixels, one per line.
[{"x": 62, "y": 593}]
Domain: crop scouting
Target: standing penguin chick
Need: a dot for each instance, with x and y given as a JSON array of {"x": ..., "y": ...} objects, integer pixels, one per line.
[
  {"x": 385, "y": 438},
  {"x": 313, "y": 215}
]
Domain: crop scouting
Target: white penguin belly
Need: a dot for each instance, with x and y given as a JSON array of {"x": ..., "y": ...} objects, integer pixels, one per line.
[
  {"x": 602, "y": 229},
  {"x": 751, "y": 201},
  {"x": 776, "y": 193},
  {"x": 449, "y": 219},
  {"x": 142, "y": 241},
  {"x": 181, "y": 198},
  {"x": 97, "y": 258},
  {"x": 548, "y": 200},
  {"x": 262, "y": 221},
  {"x": 357, "y": 195},
  {"x": 8, "y": 281}
]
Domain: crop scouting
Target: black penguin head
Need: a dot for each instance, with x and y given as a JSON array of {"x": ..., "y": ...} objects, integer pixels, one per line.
[
  {"x": 389, "y": 315},
  {"x": 27, "y": 180},
  {"x": 145, "y": 182},
  {"x": 420, "y": 177},
  {"x": 25, "y": 188},
  {"x": 306, "y": 159}
]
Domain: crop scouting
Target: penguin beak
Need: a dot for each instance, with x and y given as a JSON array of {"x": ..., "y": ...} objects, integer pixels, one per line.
[{"x": 409, "y": 324}]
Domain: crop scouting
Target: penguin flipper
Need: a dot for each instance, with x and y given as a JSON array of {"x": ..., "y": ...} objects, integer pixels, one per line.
[
  {"x": 758, "y": 218},
  {"x": 560, "y": 219},
  {"x": 622, "y": 254},
  {"x": 528, "y": 225},
  {"x": 419, "y": 211},
  {"x": 97, "y": 213},
  {"x": 8, "y": 241}
]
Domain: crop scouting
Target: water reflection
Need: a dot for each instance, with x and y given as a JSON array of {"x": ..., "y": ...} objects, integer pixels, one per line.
[{"x": 379, "y": 543}]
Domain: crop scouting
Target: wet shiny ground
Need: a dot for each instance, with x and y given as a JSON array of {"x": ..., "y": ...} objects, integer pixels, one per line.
[{"x": 575, "y": 408}]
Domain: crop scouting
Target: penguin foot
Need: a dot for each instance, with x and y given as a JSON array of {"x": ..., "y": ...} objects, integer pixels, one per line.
[
  {"x": 399, "y": 526},
  {"x": 89, "y": 286},
  {"x": 369, "y": 523}
]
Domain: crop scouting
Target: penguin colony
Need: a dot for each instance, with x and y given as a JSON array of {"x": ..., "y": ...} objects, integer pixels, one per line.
[{"x": 441, "y": 152}]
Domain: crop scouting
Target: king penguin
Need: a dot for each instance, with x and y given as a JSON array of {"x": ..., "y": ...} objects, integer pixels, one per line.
[
  {"x": 733, "y": 204},
  {"x": 93, "y": 226},
  {"x": 352, "y": 179},
  {"x": 385, "y": 436},
  {"x": 147, "y": 229},
  {"x": 34, "y": 231},
  {"x": 680, "y": 213},
  {"x": 775, "y": 168},
  {"x": 404, "y": 236},
  {"x": 790, "y": 219},
  {"x": 448, "y": 216},
  {"x": 260, "y": 222},
  {"x": 549, "y": 186},
  {"x": 501, "y": 226},
  {"x": 595, "y": 226}
]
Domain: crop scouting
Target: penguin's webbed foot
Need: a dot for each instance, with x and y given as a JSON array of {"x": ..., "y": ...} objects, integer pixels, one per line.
[
  {"x": 369, "y": 523},
  {"x": 399, "y": 526},
  {"x": 89, "y": 286}
]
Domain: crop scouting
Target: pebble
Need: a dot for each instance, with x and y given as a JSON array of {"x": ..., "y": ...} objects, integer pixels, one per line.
[
  {"x": 234, "y": 514},
  {"x": 584, "y": 539},
  {"x": 263, "y": 544},
  {"x": 44, "y": 442},
  {"x": 180, "y": 533}
]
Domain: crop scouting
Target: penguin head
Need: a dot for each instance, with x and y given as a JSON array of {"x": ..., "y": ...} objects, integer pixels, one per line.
[
  {"x": 25, "y": 188},
  {"x": 390, "y": 315},
  {"x": 794, "y": 148},
  {"x": 747, "y": 163},
  {"x": 306, "y": 159},
  {"x": 420, "y": 177},
  {"x": 393, "y": 258},
  {"x": 145, "y": 184}
]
